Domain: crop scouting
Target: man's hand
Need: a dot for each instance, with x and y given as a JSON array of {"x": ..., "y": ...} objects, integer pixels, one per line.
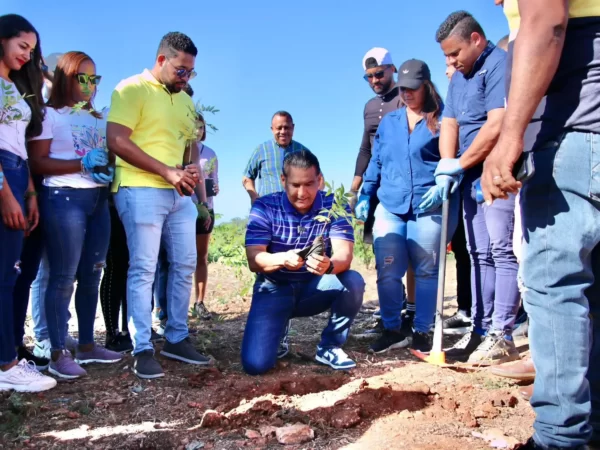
[
  {"x": 497, "y": 179},
  {"x": 179, "y": 179},
  {"x": 449, "y": 166},
  {"x": 318, "y": 264},
  {"x": 448, "y": 184},
  {"x": 12, "y": 214},
  {"x": 33, "y": 215},
  {"x": 292, "y": 261},
  {"x": 362, "y": 208},
  {"x": 192, "y": 169},
  {"x": 353, "y": 200}
]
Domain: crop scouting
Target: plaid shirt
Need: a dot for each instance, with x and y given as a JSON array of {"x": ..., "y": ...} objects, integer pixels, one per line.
[
  {"x": 274, "y": 222},
  {"x": 266, "y": 164}
]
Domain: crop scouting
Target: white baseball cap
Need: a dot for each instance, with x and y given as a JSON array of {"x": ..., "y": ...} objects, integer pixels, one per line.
[{"x": 376, "y": 57}]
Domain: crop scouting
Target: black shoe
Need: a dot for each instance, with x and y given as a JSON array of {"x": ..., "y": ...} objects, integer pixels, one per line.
[
  {"x": 184, "y": 351},
  {"x": 457, "y": 324},
  {"x": 389, "y": 340},
  {"x": 421, "y": 342},
  {"x": 376, "y": 329},
  {"x": 467, "y": 345},
  {"x": 408, "y": 317},
  {"x": 146, "y": 366},
  {"x": 155, "y": 337},
  {"x": 119, "y": 343},
  {"x": 40, "y": 363}
]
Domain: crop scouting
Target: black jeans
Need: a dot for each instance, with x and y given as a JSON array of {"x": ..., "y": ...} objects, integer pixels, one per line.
[{"x": 113, "y": 289}]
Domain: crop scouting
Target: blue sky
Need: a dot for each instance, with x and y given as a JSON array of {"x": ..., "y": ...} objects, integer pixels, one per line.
[{"x": 259, "y": 57}]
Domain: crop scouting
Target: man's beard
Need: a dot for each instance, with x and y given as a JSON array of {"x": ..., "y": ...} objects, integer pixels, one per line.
[
  {"x": 172, "y": 88},
  {"x": 385, "y": 88}
]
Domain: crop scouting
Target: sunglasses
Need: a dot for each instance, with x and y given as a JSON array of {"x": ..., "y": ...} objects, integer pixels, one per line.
[
  {"x": 84, "y": 78},
  {"x": 377, "y": 75},
  {"x": 182, "y": 73}
]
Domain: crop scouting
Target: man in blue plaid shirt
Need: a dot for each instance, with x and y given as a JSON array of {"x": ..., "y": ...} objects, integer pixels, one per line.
[
  {"x": 266, "y": 162},
  {"x": 290, "y": 283}
]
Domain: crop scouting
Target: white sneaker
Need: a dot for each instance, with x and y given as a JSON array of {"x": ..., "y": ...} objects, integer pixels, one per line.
[
  {"x": 25, "y": 378},
  {"x": 41, "y": 349}
]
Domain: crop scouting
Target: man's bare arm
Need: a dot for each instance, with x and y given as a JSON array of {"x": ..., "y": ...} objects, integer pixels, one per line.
[
  {"x": 485, "y": 140},
  {"x": 250, "y": 187},
  {"x": 449, "y": 138},
  {"x": 200, "y": 185},
  {"x": 343, "y": 252},
  {"x": 537, "y": 50},
  {"x": 261, "y": 261}
]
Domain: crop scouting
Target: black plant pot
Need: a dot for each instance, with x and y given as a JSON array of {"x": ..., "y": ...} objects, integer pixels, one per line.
[
  {"x": 209, "y": 184},
  {"x": 184, "y": 191}
]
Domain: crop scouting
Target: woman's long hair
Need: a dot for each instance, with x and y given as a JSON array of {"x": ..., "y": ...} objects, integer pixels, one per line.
[
  {"x": 29, "y": 78},
  {"x": 432, "y": 108},
  {"x": 67, "y": 68}
]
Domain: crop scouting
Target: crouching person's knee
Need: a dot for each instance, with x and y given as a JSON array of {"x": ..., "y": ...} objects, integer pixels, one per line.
[
  {"x": 355, "y": 284},
  {"x": 255, "y": 365}
]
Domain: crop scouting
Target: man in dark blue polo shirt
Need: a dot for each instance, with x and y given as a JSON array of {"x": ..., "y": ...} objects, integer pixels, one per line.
[
  {"x": 471, "y": 123},
  {"x": 553, "y": 115},
  {"x": 279, "y": 226}
]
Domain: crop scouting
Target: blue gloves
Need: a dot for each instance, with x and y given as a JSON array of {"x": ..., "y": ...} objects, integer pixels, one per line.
[
  {"x": 447, "y": 184},
  {"x": 1, "y": 180},
  {"x": 449, "y": 166},
  {"x": 362, "y": 207},
  {"x": 432, "y": 199},
  {"x": 102, "y": 178},
  {"x": 94, "y": 158}
]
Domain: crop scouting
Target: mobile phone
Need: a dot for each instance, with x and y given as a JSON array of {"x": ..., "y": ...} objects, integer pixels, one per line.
[{"x": 524, "y": 168}]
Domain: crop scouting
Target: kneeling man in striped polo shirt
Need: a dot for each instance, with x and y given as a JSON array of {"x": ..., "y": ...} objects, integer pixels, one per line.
[{"x": 287, "y": 286}]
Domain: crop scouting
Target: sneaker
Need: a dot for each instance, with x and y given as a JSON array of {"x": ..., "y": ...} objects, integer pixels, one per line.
[
  {"x": 184, "y": 351},
  {"x": 120, "y": 343},
  {"x": 41, "y": 349},
  {"x": 463, "y": 348},
  {"x": 284, "y": 344},
  {"x": 25, "y": 378},
  {"x": 156, "y": 337},
  {"x": 160, "y": 330},
  {"x": 40, "y": 363},
  {"x": 495, "y": 349},
  {"x": 99, "y": 355},
  {"x": 71, "y": 343},
  {"x": 65, "y": 367},
  {"x": 335, "y": 358},
  {"x": 201, "y": 311},
  {"x": 421, "y": 342},
  {"x": 377, "y": 328},
  {"x": 146, "y": 366},
  {"x": 459, "y": 323},
  {"x": 407, "y": 317},
  {"x": 521, "y": 330},
  {"x": 389, "y": 340}
]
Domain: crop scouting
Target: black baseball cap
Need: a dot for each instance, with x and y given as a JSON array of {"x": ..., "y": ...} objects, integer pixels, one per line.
[{"x": 412, "y": 73}]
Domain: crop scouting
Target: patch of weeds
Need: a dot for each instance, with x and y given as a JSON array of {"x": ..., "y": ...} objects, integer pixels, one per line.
[
  {"x": 82, "y": 407},
  {"x": 12, "y": 421},
  {"x": 494, "y": 383}
]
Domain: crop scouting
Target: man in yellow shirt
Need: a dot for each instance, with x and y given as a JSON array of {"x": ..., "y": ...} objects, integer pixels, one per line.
[
  {"x": 151, "y": 128},
  {"x": 552, "y": 121}
]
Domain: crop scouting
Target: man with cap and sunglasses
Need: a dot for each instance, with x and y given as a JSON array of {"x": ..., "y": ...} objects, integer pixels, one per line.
[{"x": 379, "y": 73}]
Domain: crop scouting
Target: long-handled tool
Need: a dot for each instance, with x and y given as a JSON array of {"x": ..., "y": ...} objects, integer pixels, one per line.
[{"x": 437, "y": 355}]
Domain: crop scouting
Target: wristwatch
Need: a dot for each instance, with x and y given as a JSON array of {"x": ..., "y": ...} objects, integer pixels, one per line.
[{"x": 330, "y": 269}]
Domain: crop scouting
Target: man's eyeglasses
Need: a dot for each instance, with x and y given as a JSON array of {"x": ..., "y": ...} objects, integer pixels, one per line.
[
  {"x": 377, "y": 75},
  {"x": 84, "y": 78},
  {"x": 182, "y": 73}
]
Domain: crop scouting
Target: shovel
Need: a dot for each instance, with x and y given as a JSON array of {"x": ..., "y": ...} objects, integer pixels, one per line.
[{"x": 437, "y": 355}]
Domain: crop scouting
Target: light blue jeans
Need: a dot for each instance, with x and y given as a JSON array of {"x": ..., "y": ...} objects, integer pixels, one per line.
[
  {"x": 560, "y": 209},
  {"x": 150, "y": 215},
  {"x": 38, "y": 294},
  {"x": 414, "y": 238}
]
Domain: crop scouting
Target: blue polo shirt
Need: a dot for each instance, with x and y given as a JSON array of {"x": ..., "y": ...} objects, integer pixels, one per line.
[
  {"x": 266, "y": 165},
  {"x": 402, "y": 166},
  {"x": 274, "y": 222},
  {"x": 470, "y": 97}
]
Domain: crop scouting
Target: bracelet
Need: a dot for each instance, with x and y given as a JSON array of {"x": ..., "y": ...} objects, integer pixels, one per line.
[{"x": 30, "y": 194}]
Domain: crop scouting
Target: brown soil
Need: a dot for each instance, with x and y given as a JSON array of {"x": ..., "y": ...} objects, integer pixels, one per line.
[{"x": 390, "y": 401}]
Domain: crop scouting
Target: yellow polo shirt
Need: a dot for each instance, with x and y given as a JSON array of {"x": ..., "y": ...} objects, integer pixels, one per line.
[
  {"x": 159, "y": 122},
  {"x": 577, "y": 9}
]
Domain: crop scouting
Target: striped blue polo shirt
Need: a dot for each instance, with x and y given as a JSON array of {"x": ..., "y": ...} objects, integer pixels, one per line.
[
  {"x": 266, "y": 165},
  {"x": 274, "y": 222}
]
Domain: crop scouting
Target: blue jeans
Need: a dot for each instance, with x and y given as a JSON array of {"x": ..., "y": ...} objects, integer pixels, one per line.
[
  {"x": 150, "y": 215},
  {"x": 76, "y": 232},
  {"x": 160, "y": 284},
  {"x": 16, "y": 175},
  {"x": 274, "y": 304},
  {"x": 414, "y": 239},
  {"x": 560, "y": 271},
  {"x": 494, "y": 266},
  {"x": 38, "y": 300},
  {"x": 30, "y": 263}
]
